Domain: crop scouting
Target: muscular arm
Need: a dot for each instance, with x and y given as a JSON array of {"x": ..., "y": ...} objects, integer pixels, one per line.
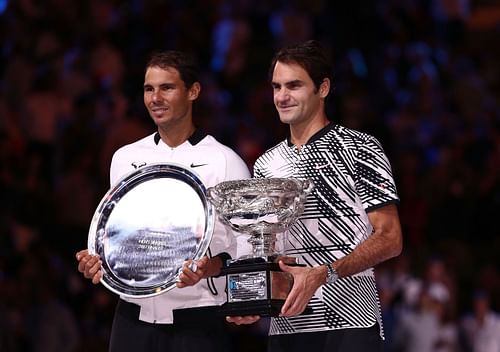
[{"x": 384, "y": 243}]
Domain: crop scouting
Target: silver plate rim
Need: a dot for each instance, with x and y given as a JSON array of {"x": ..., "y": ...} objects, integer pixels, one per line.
[{"x": 179, "y": 172}]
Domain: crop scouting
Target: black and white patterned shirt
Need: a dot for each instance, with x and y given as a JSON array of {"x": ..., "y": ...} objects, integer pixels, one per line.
[{"x": 352, "y": 176}]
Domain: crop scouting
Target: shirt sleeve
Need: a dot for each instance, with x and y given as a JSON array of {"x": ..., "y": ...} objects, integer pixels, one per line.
[
  {"x": 236, "y": 168},
  {"x": 113, "y": 173},
  {"x": 373, "y": 177},
  {"x": 119, "y": 167}
]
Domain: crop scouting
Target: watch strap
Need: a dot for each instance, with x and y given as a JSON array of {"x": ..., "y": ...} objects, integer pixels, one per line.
[{"x": 331, "y": 273}]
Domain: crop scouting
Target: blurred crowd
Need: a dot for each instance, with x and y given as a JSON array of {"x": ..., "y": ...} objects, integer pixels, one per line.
[{"x": 420, "y": 75}]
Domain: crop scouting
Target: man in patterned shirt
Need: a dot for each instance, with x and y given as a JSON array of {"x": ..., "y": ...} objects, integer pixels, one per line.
[{"x": 350, "y": 222}]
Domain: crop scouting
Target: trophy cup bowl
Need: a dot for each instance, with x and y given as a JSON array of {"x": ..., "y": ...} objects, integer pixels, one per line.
[{"x": 260, "y": 208}]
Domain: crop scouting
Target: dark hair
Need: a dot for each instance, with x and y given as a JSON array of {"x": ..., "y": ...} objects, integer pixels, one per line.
[
  {"x": 184, "y": 63},
  {"x": 310, "y": 55}
]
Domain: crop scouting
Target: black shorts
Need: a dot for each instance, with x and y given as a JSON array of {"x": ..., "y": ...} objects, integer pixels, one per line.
[
  {"x": 342, "y": 340},
  {"x": 131, "y": 334}
]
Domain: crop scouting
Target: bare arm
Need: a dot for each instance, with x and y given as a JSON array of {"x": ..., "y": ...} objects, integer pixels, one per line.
[{"x": 384, "y": 243}]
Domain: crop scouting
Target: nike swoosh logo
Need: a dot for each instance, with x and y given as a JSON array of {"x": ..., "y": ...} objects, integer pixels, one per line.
[{"x": 193, "y": 165}]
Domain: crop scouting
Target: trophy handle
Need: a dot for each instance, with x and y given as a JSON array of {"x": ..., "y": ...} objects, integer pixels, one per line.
[{"x": 214, "y": 197}]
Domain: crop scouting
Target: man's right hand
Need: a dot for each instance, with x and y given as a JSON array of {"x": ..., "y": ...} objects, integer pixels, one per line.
[{"x": 89, "y": 265}]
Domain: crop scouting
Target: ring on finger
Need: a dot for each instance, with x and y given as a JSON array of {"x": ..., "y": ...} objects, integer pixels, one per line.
[{"x": 193, "y": 267}]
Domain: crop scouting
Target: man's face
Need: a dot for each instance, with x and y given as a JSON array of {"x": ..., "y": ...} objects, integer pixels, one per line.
[
  {"x": 295, "y": 96},
  {"x": 166, "y": 97}
]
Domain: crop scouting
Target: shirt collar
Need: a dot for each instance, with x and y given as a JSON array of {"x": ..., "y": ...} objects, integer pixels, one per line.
[
  {"x": 194, "y": 139},
  {"x": 315, "y": 136}
]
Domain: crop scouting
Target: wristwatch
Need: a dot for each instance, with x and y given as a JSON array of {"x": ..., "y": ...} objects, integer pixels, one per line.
[{"x": 331, "y": 274}]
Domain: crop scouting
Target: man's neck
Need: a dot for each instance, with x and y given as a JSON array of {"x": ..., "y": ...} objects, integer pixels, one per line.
[
  {"x": 301, "y": 133},
  {"x": 173, "y": 137}
]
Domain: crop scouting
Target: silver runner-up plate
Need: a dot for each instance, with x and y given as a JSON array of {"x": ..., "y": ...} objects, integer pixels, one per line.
[{"x": 147, "y": 225}]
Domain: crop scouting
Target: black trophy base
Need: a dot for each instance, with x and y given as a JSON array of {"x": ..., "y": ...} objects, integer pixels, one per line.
[{"x": 255, "y": 286}]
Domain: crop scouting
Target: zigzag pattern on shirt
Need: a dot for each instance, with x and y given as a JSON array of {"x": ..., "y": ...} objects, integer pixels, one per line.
[{"x": 350, "y": 173}]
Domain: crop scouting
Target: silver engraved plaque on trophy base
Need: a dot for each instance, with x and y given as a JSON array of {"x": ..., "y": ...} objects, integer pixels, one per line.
[
  {"x": 260, "y": 209},
  {"x": 147, "y": 225}
]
